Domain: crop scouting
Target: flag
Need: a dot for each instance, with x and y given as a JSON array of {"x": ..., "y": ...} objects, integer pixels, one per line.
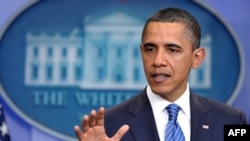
[{"x": 4, "y": 133}]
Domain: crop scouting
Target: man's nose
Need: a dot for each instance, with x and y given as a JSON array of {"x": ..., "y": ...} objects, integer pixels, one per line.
[{"x": 160, "y": 59}]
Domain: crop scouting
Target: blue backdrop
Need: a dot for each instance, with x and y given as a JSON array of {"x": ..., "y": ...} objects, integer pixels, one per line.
[{"x": 232, "y": 13}]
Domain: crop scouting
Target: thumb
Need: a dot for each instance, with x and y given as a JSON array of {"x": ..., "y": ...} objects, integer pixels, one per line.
[{"x": 121, "y": 132}]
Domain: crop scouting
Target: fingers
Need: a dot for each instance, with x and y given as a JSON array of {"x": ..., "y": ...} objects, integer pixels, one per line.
[
  {"x": 77, "y": 132},
  {"x": 85, "y": 123},
  {"x": 91, "y": 124},
  {"x": 121, "y": 132},
  {"x": 100, "y": 117},
  {"x": 93, "y": 119},
  {"x": 96, "y": 119},
  {"x": 90, "y": 121}
]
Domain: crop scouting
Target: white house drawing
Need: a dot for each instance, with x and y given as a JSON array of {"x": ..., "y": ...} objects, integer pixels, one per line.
[{"x": 103, "y": 54}]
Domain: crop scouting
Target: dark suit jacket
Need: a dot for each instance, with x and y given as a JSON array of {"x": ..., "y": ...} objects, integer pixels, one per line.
[{"x": 138, "y": 114}]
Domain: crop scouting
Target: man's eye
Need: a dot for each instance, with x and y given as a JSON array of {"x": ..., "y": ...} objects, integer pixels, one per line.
[
  {"x": 149, "y": 49},
  {"x": 172, "y": 50}
]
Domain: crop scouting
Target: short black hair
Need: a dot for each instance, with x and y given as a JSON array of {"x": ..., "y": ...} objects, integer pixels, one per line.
[{"x": 177, "y": 15}]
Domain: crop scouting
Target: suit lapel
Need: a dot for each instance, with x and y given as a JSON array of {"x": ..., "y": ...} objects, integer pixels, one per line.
[
  {"x": 143, "y": 125},
  {"x": 201, "y": 126}
]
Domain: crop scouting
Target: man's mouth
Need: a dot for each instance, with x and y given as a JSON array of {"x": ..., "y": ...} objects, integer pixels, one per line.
[{"x": 159, "y": 78}]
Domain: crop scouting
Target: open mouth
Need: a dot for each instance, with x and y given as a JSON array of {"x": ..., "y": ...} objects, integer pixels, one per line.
[{"x": 159, "y": 78}]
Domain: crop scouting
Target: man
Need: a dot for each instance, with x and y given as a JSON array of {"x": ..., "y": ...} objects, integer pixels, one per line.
[{"x": 169, "y": 49}]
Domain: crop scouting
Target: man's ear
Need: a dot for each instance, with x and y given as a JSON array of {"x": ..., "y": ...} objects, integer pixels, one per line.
[{"x": 198, "y": 57}]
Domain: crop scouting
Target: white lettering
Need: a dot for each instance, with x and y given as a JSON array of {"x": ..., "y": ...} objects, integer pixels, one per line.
[
  {"x": 243, "y": 131},
  {"x": 49, "y": 98},
  {"x": 231, "y": 132},
  {"x": 237, "y": 131},
  {"x": 95, "y": 98}
]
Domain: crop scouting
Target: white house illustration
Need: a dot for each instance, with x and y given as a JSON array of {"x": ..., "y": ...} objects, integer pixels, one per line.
[{"x": 103, "y": 54}]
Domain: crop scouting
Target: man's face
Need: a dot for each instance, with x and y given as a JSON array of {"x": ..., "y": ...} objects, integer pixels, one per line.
[{"x": 167, "y": 58}]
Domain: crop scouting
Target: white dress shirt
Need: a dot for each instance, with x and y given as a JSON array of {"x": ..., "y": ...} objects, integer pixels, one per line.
[{"x": 159, "y": 104}]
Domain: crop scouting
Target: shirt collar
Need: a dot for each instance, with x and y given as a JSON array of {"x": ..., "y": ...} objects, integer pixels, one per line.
[{"x": 159, "y": 104}]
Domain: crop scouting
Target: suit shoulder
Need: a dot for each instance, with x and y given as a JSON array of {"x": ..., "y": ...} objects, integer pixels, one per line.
[
  {"x": 125, "y": 105},
  {"x": 222, "y": 110},
  {"x": 218, "y": 106}
]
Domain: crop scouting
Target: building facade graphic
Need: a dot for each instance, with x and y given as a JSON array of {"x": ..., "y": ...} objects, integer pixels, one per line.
[{"x": 103, "y": 54}]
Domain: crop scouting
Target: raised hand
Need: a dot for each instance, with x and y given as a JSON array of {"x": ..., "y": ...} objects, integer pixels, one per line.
[{"x": 93, "y": 128}]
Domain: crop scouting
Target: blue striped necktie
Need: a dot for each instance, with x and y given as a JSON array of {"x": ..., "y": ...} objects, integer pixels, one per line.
[{"x": 173, "y": 130}]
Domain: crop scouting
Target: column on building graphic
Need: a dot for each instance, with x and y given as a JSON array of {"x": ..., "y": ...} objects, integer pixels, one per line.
[
  {"x": 112, "y": 56},
  {"x": 54, "y": 59},
  {"x": 201, "y": 77},
  {"x": 137, "y": 72}
]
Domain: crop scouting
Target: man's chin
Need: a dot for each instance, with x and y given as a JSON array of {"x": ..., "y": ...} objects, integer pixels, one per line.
[{"x": 159, "y": 90}]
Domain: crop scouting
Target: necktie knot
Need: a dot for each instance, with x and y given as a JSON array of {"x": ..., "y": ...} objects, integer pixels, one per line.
[{"x": 173, "y": 110}]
